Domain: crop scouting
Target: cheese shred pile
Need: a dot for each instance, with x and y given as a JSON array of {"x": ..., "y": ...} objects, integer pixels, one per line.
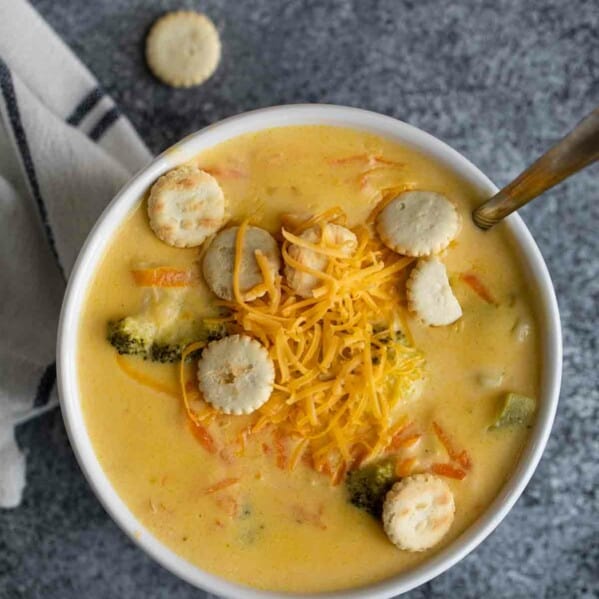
[{"x": 343, "y": 357}]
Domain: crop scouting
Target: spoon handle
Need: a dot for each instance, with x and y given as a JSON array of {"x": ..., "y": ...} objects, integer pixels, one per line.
[{"x": 575, "y": 151}]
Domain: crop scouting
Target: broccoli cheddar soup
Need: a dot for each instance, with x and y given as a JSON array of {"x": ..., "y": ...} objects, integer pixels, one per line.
[{"x": 299, "y": 351}]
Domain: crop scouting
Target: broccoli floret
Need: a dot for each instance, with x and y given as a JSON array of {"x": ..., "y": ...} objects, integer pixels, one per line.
[
  {"x": 213, "y": 331},
  {"x": 394, "y": 337},
  {"x": 368, "y": 486},
  {"x": 154, "y": 336},
  {"x": 166, "y": 352},
  {"x": 515, "y": 410},
  {"x": 400, "y": 337},
  {"x": 131, "y": 335},
  {"x": 168, "y": 348}
]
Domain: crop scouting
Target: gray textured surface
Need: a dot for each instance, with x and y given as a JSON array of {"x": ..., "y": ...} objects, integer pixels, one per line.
[{"x": 499, "y": 81}]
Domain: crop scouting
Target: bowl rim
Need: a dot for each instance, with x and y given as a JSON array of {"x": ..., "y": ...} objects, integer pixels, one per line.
[{"x": 113, "y": 215}]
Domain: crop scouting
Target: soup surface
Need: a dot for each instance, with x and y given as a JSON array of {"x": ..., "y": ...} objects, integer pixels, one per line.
[{"x": 238, "y": 512}]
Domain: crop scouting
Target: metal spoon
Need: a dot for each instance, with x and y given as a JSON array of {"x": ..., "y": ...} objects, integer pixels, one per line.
[{"x": 575, "y": 151}]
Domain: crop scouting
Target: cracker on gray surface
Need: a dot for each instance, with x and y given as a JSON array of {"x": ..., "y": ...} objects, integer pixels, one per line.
[{"x": 183, "y": 48}]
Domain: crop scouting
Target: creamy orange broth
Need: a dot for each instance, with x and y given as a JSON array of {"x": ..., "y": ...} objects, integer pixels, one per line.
[{"x": 294, "y": 531}]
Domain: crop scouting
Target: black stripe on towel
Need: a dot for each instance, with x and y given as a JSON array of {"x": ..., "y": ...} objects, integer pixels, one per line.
[
  {"x": 109, "y": 118},
  {"x": 85, "y": 106},
  {"x": 12, "y": 108},
  {"x": 45, "y": 386}
]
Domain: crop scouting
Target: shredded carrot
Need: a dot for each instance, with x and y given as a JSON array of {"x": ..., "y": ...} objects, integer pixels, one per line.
[
  {"x": 163, "y": 276},
  {"x": 407, "y": 442},
  {"x": 220, "y": 485},
  {"x": 445, "y": 440},
  {"x": 280, "y": 449},
  {"x": 144, "y": 379},
  {"x": 203, "y": 436},
  {"x": 222, "y": 172},
  {"x": 382, "y": 160},
  {"x": 348, "y": 159},
  {"x": 461, "y": 457},
  {"x": 398, "y": 435},
  {"x": 474, "y": 282},
  {"x": 448, "y": 470},
  {"x": 405, "y": 467},
  {"x": 464, "y": 459},
  {"x": 368, "y": 159}
]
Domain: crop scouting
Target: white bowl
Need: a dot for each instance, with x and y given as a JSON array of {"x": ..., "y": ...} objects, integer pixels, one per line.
[{"x": 127, "y": 198}]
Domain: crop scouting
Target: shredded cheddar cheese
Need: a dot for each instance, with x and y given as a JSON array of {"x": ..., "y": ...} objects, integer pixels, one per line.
[{"x": 341, "y": 360}]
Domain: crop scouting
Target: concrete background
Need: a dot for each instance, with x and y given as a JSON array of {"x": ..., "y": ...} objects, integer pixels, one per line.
[{"x": 499, "y": 80}]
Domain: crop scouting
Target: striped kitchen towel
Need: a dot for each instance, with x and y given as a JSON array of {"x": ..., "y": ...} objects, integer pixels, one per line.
[{"x": 64, "y": 151}]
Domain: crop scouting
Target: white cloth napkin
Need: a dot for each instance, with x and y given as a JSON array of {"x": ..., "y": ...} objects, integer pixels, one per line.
[{"x": 64, "y": 152}]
